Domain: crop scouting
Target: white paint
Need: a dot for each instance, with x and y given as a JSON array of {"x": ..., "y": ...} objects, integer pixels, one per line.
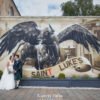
[{"x": 62, "y": 88}]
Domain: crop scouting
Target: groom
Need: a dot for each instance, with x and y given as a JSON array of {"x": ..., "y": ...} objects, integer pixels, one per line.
[{"x": 17, "y": 70}]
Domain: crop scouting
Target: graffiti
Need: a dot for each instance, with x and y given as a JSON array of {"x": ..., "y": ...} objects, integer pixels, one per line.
[
  {"x": 72, "y": 62},
  {"x": 42, "y": 73},
  {"x": 80, "y": 64},
  {"x": 43, "y": 45}
]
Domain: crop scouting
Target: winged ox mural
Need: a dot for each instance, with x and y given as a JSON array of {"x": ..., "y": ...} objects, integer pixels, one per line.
[{"x": 43, "y": 45}]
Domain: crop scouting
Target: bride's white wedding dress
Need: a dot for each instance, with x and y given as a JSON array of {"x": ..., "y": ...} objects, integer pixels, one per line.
[{"x": 7, "y": 81}]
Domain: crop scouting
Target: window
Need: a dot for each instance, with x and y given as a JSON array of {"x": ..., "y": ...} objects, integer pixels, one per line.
[
  {"x": 98, "y": 24},
  {"x": 11, "y": 11}
]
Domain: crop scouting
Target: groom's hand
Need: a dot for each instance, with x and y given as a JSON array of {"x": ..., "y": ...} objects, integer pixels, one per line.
[{"x": 14, "y": 71}]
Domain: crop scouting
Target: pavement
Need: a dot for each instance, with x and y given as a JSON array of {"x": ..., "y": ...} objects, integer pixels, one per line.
[{"x": 50, "y": 93}]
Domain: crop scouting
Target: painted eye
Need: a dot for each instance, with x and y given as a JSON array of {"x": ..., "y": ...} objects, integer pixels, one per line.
[
  {"x": 78, "y": 68},
  {"x": 83, "y": 68}
]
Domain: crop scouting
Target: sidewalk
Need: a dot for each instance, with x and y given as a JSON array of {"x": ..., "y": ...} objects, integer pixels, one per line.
[{"x": 46, "y": 93}]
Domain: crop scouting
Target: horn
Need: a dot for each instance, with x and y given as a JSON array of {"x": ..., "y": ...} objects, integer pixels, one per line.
[{"x": 52, "y": 30}]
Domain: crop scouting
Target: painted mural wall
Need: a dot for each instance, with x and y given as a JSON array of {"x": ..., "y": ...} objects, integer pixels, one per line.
[{"x": 51, "y": 45}]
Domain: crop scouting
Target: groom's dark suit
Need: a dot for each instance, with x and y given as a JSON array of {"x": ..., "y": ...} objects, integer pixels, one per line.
[{"x": 18, "y": 68}]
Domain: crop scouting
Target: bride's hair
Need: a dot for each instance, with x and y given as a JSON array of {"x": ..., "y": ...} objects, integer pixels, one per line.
[{"x": 17, "y": 55}]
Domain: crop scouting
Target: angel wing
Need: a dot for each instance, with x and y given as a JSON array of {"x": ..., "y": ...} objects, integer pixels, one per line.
[
  {"x": 26, "y": 31},
  {"x": 80, "y": 35}
]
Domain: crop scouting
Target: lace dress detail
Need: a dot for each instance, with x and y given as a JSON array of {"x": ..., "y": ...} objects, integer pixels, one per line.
[{"x": 7, "y": 81}]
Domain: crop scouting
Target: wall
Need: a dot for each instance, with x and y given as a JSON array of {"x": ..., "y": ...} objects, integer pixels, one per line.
[{"x": 58, "y": 24}]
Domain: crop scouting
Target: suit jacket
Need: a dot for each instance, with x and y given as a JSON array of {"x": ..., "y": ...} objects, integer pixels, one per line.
[
  {"x": 18, "y": 68},
  {"x": 17, "y": 65}
]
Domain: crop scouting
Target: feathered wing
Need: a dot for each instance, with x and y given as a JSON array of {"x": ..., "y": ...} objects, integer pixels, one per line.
[
  {"x": 80, "y": 35},
  {"x": 26, "y": 31}
]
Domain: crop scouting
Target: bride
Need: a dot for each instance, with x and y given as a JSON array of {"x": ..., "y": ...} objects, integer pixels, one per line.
[{"x": 7, "y": 80}]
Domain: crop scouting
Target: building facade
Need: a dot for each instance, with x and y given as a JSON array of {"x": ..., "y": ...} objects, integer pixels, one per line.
[{"x": 8, "y": 8}]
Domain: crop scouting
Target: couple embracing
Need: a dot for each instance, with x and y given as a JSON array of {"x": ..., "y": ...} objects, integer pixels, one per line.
[{"x": 12, "y": 74}]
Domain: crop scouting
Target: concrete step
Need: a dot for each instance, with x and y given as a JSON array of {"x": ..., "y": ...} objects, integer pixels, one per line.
[{"x": 61, "y": 83}]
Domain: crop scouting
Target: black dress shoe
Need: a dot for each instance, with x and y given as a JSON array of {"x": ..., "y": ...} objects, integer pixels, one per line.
[{"x": 16, "y": 87}]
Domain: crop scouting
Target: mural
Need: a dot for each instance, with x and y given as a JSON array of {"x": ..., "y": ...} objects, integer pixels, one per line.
[{"x": 41, "y": 48}]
